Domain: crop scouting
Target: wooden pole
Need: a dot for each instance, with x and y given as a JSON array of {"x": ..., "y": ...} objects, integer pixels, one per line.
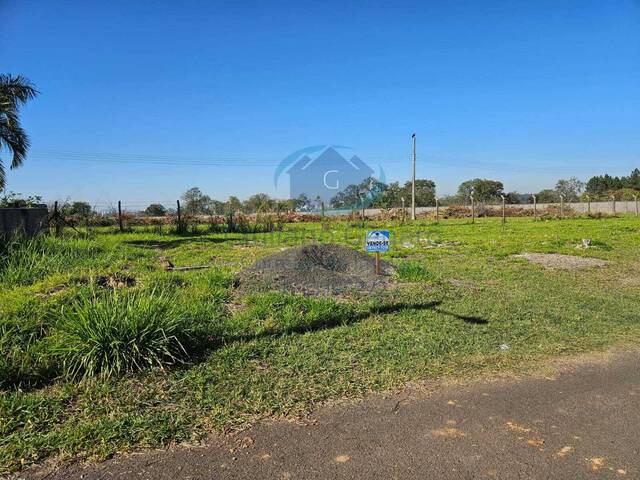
[
  {"x": 635, "y": 198},
  {"x": 588, "y": 203},
  {"x": 504, "y": 211},
  {"x": 437, "y": 211},
  {"x": 413, "y": 181},
  {"x": 120, "y": 216},
  {"x": 561, "y": 206},
  {"x": 404, "y": 211},
  {"x": 377, "y": 263},
  {"x": 473, "y": 209},
  {"x": 322, "y": 208},
  {"x": 179, "y": 218},
  {"x": 613, "y": 201},
  {"x": 57, "y": 224},
  {"x": 535, "y": 207}
]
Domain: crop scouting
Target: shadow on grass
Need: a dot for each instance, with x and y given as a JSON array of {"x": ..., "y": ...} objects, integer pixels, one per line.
[
  {"x": 208, "y": 344},
  {"x": 340, "y": 319}
]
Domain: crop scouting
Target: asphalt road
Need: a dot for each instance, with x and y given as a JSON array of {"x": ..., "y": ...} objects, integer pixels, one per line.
[{"x": 581, "y": 423}]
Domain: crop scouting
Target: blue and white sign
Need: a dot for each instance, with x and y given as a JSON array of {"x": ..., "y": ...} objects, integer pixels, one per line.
[{"x": 378, "y": 241}]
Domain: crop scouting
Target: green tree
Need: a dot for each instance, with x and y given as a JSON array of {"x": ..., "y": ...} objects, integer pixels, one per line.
[
  {"x": 349, "y": 197},
  {"x": 155, "y": 210},
  {"x": 302, "y": 202},
  {"x": 392, "y": 196},
  {"x": 260, "y": 202},
  {"x": 195, "y": 202},
  {"x": 425, "y": 193},
  {"x": 570, "y": 188},
  {"x": 15, "y": 91},
  {"x": 483, "y": 190},
  {"x": 513, "y": 198},
  {"x": 603, "y": 185},
  {"x": 234, "y": 205},
  {"x": 547, "y": 196}
]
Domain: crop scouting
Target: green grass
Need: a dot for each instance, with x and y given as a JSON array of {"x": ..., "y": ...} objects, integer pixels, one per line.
[
  {"x": 87, "y": 372},
  {"x": 116, "y": 333}
]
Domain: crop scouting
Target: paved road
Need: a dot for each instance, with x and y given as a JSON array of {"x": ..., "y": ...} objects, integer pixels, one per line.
[{"x": 584, "y": 423}]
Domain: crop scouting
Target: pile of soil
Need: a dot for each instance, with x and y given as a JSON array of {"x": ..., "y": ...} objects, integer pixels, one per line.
[
  {"x": 316, "y": 270},
  {"x": 567, "y": 262}
]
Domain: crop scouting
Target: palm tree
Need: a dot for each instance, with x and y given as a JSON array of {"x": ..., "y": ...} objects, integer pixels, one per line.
[{"x": 15, "y": 91}]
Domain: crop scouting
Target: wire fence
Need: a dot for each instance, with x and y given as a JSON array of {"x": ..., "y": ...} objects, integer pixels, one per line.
[{"x": 126, "y": 216}]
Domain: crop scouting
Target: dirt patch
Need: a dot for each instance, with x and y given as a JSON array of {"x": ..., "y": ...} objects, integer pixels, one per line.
[
  {"x": 115, "y": 281},
  {"x": 566, "y": 262},
  {"x": 316, "y": 270}
]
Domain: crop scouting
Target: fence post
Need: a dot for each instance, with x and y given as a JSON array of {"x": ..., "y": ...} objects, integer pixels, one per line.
[
  {"x": 504, "y": 211},
  {"x": 56, "y": 219},
  {"x": 179, "y": 218},
  {"x": 322, "y": 208},
  {"x": 404, "y": 211},
  {"x": 613, "y": 202},
  {"x": 588, "y": 203},
  {"x": 120, "y": 216},
  {"x": 561, "y": 206},
  {"x": 535, "y": 207},
  {"x": 437, "y": 211},
  {"x": 635, "y": 198},
  {"x": 473, "y": 209}
]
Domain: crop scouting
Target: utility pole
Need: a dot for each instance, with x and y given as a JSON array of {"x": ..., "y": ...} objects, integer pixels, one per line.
[{"x": 413, "y": 181}]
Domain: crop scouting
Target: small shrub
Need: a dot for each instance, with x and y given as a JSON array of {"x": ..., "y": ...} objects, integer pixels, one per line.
[
  {"x": 456, "y": 211},
  {"x": 122, "y": 332}
]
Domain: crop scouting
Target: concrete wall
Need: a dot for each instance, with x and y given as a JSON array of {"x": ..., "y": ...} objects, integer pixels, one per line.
[
  {"x": 579, "y": 207},
  {"x": 29, "y": 221}
]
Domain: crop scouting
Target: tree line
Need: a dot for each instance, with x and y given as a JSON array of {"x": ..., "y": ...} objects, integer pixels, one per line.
[{"x": 371, "y": 193}]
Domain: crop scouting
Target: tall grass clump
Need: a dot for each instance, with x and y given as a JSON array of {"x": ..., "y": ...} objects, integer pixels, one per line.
[
  {"x": 25, "y": 260},
  {"x": 21, "y": 363},
  {"x": 121, "y": 332},
  {"x": 415, "y": 272}
]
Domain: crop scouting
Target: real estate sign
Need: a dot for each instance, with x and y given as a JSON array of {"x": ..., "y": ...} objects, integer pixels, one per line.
[{"x": 377, "y": 240}]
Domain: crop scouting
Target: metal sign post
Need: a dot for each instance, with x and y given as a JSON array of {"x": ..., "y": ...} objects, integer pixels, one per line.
[{"x": 377, "y": 241}]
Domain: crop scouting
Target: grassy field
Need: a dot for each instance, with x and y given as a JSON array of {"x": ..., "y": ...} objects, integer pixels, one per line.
[{"x": 75, "y": 311}]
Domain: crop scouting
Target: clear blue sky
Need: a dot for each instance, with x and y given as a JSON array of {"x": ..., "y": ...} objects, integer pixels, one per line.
[{"x": 521, "y": 91}]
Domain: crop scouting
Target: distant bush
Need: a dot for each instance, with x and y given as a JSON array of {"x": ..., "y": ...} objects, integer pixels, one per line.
[
  {"x": 456, "y": 211},
  {"x": 108, "y": 336}
]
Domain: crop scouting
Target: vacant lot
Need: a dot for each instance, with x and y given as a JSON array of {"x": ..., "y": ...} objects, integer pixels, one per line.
[{"x": 103, "y": 350}]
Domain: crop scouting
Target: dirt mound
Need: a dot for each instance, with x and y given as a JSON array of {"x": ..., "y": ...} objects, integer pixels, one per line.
[
  {"x": 567, "y": 262},
  {"x": 316, "y": 269}
]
